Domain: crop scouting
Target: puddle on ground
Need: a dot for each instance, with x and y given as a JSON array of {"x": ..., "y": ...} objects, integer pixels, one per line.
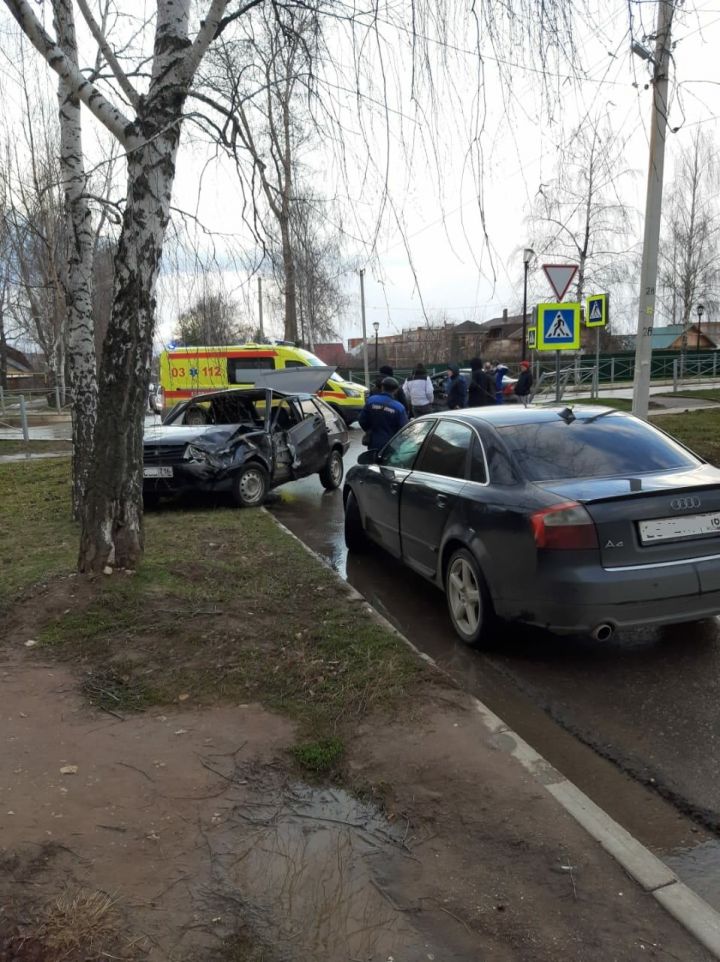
[
  {"x": 301, "y": 874},
  {"x": 699, "y": 868}
]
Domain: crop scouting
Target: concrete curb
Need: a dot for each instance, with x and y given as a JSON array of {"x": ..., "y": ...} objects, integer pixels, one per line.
[{"x": 651, "y": 873}]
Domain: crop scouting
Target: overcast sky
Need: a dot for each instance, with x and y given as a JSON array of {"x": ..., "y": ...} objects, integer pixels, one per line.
[{"x": 431, "y": 251}]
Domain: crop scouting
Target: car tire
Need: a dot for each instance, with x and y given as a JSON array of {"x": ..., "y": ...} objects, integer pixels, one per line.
[
  {"x": 355, "y": 537},
  {"x": 251, "y": 485},
  {"x": 331, "y": 475},
  {"x": 151, "y": 500},
  {"x": 468, "y": 599}
]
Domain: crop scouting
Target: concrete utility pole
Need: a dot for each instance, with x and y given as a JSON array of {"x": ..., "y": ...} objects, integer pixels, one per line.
[
  {"x": 653, "y": 204},
  {"x": 260, "y": 314},
  {"x": 362, "y": 312}
]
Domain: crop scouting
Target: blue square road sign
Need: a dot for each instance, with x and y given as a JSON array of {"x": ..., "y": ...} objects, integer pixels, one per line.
[{"x": 558, "y": 327}]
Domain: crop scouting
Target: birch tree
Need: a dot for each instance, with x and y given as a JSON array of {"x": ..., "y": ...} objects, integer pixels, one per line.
[
  {"x": 78, "y": 260},
  {"x": 147, "y": 126},
  {"x": 691, "y": 238},
  {"x": 320, "y": 265},
  {"x": 580, "y": 214},
  {"x": 262, "y": 83}
]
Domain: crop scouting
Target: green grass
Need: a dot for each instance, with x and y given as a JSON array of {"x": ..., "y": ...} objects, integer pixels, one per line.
[
  {"x": 707, "y": 394},
  {"x": 34, "y": 447},
  {"x": 699, "y": 430},
  {"x": 39, "y": 539},
  {"x": 618, "y": 403},
  {"x": 320, "y": 757},
  {"x": 225, "y": 606}
]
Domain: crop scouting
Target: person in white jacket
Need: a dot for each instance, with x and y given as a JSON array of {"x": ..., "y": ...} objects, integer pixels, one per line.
[{"x": 419, "y": 392}]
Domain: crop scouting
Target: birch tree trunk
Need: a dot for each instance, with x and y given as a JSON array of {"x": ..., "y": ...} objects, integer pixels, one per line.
[
  {"x": 112, "y": 528},
  {"x": 79, "y": 273}
]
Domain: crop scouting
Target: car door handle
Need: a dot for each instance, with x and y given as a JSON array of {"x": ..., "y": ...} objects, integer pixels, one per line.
[{"x": 441, "y": 500}]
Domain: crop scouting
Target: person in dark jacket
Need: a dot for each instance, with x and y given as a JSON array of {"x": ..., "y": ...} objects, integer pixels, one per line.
[
  {"x": 481, "y": 389},
  {"x": 456, "y": 387},
  {"x": 399, "y": 395},
  {"x": 524, "y": 382},
  {"x": 383, "y": 415}
]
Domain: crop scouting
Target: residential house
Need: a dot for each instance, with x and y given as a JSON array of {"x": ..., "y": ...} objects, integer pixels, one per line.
[{"x": 670, "y": 338}]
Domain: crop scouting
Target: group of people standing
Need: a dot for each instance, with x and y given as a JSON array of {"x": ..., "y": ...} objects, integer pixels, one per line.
[
  {"x": 389, "y": 405},
  {"x": 486, "y": 386}
]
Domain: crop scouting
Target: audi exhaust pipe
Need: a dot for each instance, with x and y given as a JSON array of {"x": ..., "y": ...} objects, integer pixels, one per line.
[{"x": 603, "y": 632}]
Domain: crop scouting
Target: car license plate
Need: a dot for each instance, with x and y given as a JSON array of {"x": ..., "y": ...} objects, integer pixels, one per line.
[
  {"x": 671, "y": 529},
  {"x": 162, "y": 471}
]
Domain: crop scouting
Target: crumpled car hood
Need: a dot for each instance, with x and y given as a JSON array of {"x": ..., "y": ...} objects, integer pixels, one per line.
[{"x": 207, "y": 436}]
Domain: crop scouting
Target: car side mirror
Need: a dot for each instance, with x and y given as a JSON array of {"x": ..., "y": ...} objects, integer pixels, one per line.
[{"x": 368, "y": 457}]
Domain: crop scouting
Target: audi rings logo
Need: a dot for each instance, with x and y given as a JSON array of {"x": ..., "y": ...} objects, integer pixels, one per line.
[{"x": 685, "y": 504}]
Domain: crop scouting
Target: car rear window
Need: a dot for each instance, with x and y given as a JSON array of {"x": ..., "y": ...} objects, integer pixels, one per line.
[{"x": 598, "y": 447}]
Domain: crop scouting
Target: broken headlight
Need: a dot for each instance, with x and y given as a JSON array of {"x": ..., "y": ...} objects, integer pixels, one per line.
[{"x": 193, "y": 453}]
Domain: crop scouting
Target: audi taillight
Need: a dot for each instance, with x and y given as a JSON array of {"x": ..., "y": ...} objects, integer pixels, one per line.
[{"x": 566, "y": 526}]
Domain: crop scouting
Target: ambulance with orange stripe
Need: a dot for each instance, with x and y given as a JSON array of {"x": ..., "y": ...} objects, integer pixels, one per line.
[{"x": 187, "y": 371}]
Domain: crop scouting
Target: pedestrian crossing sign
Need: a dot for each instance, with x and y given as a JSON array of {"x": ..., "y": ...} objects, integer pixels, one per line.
[
  {"x": 558, "y": 327},
  {"x": 596, "y": 310},
  {"x": 532, "y": 337}
]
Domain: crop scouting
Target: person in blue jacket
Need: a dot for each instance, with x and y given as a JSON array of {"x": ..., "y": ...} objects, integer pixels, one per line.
[
  {"x": 500, "y": 372},
  {"x": 383, "y": 415},
  {"x": 456, "y": 388}
]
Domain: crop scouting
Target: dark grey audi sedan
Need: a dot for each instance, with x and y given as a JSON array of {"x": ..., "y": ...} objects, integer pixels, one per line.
[{"x": 577, "y": 520}]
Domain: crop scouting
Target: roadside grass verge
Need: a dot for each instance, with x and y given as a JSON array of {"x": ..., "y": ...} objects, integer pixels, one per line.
[
  {"x": 699, "y": 430},
  {"x": 704, "y": 394},
  {"x": 34, "y": 447},
  {"x": 225, "y": 606},
  {"x": 39, "y": 539},
  {"x": 619, "y": 403}
]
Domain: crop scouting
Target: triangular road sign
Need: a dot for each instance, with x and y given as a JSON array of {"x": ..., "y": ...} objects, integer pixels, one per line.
[{"x": 560, "y": 277}]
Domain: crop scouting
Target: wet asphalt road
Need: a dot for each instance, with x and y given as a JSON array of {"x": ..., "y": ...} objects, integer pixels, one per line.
[{"x": 635, "y": 722}]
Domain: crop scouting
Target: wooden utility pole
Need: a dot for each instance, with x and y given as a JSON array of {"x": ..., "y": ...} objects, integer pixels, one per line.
[{"x": 653, "y": 205}]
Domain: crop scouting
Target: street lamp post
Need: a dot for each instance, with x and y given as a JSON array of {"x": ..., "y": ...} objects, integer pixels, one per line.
[
  {"x": 700, "y": 311},
  {"x": 528, "y": 255},
  {"x": 376, "y": 325}
]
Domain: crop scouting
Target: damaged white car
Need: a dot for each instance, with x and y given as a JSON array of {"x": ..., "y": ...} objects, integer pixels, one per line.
[{"x": 245, "y": 441}]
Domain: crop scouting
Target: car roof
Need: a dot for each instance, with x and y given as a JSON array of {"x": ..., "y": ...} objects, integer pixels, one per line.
[{"x": 506, "y": 415}]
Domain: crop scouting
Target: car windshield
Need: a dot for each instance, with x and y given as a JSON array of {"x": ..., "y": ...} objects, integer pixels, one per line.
[
  {"x": 310, "y": 358},
  {"x": 598, "y": 447},
  {"x": 222, "y": 409}
]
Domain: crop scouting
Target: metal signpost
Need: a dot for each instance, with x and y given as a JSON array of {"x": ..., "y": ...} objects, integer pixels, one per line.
[
  {"x": 561, "y": 331},
  {"x": 597, "y": 311}
]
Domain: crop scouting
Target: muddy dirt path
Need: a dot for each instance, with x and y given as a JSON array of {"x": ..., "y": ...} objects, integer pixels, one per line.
[{"x": 192, "y": 822}]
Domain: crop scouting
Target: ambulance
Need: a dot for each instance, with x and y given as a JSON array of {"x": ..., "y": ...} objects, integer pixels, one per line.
[{"x": 187, "y": 371}]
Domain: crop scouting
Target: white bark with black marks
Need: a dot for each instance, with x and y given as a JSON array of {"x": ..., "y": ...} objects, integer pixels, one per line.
[
  {"x": 112, "y": 531},
  {"x": 79, "y": 274}
]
